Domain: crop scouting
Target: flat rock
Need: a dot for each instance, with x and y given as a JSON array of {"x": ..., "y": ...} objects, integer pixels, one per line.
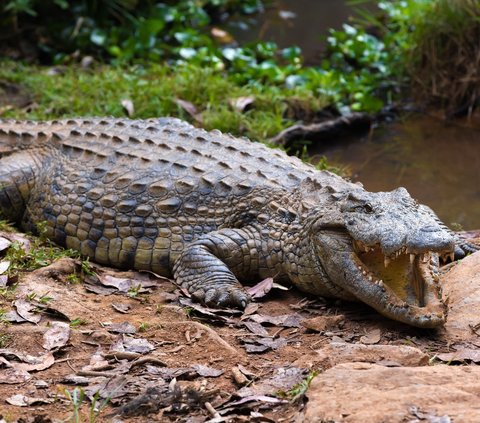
[
  {"x": 389, "y": 355},
  {"x": 361, "y": 392},
  {"x": 461, "y": 289}
]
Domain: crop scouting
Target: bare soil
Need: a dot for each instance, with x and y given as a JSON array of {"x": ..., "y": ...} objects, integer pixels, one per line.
[{"x": 143, "y": 352}]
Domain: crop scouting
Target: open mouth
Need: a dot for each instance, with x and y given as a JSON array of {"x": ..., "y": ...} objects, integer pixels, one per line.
[{"x": 408, "y": 282}]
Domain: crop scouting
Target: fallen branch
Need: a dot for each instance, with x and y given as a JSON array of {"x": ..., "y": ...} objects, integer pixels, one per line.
[{"x": 356, "y": 122}]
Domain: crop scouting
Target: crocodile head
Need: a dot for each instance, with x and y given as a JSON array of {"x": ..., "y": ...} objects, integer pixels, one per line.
[{"x": 383, "y": 248}]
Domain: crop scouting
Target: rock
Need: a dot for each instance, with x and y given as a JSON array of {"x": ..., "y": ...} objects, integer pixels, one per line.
[
  {"x": 461, "y": 288},
  {"x": 390, "y": 355},
  {"x": 361, "y": 392},
  {"x": 323, "y": 323}
]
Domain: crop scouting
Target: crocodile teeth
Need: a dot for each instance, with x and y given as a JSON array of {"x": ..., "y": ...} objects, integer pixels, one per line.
[
  {"x": 386, "y": 261},
  {"x": 451, "y": 256},
  {"x": 412, "y": 258}
]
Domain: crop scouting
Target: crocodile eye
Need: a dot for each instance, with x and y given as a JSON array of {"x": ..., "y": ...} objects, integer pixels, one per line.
[{"x": 364, "y": 208}]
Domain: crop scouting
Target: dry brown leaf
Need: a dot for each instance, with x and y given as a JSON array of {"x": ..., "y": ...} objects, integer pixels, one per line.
[
  {"x": 4, "y": 243},
  {"x": 206, "y": 371},
  {"x": 261, "y": 289},
  {"x": 124, "y": 327},
  {"x": 464, "y": 354},
  {"x": 286, "y": 320},
  {"x": 21, "y": 400},
  {"x": 12, "y": 376},
  {"x": 121, "y": 307},
  {"x": 57, "y": 336},
  {"x": 221, "y": 35},
  {"x": 372, "y": 337},
  {"x": 42, "y": 362},
  {"x": 129, "y": 344},
  {"x": 19, "y": 238},
  {"x": 24, "y": 309},
  {"x": 128, "y": 106},
  {"x": 4, "y": 265},
  {"x": 242, "y": 104},
  {"x": 259, "y": 345},
  {"x": 284, "y": 379},
  {"x": 3, "y": 281},
  {"x": 323, "y": 323},
  {"x": 190, "y": 109},
  {"x": 140, "y": 281},
  {"x": 256, "y": 328}
]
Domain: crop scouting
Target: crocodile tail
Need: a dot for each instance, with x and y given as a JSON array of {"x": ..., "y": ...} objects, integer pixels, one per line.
[{"x": 17, "y": 176}]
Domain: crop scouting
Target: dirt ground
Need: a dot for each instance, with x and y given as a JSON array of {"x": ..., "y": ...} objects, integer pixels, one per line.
[{"x": 141, "y": 351}]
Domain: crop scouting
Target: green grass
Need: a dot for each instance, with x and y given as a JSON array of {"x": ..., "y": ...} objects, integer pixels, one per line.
[{"x": 153, "y": 91}]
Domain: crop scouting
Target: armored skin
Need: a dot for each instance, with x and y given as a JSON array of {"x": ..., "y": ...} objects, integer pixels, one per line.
[{"x": 212, "y": 211}]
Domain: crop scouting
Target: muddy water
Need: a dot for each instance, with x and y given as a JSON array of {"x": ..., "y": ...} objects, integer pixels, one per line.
[
  {"x": 439, "y": 164},
  {"x": 303, "y": 23}
]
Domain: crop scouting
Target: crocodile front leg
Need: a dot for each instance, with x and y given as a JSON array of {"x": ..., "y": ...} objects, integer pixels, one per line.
[{"x": 210, "y": 268}]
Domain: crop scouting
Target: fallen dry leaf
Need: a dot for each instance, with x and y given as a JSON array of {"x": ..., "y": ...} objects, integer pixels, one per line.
[
  {"x": 212, "y": 313},
  {"x": 128, "y": 106},
  {"x": 12, "y": 376},
  {"x": 57, "y": 336},
  {"x": 121, "y": 307},
  {"x": 464, "y": 354},
  {"x": 206, "y": 371},
  {"x": 323, "y": 323},
  {"x": 260, "y": 345},
  {"x": 123, "y": 327},
  {"x": 42, "y": 362},
  {"x": 129, "y": 344},
  {"x": 242, "y": 103},
  {"x": 138, "y": 281},
  {"x": 21, "y": 400},
  {"x": 286, "y": 320},
  {"x": 18, "y": 238},
  {"x": 4, "y": 244},
  {"x": 4, "y": 265},
  {"x": 261, "y": 289},
  {"x": 256, "y": 328},
  {"x": 372, "y": 337},
  {"x": 222, "y": 36},
  {"x": 24, "y": 309},
  {"x": 3, "y": 281},
  {"x": 284, "y": 379},
  {"x": 190, "y": 109},
  {"x": 13, "y": 317}
]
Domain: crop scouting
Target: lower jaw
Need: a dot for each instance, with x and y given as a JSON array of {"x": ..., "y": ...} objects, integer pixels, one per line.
[{"x": 400, "y": 300}]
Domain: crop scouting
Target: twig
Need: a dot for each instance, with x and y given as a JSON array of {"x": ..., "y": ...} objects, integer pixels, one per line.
[
  {"x": 144, "y": 360},
  {"x": 213, "y": 335},
  {"x": 324, "y": 130},
  {"x": 215, "y": 414}
]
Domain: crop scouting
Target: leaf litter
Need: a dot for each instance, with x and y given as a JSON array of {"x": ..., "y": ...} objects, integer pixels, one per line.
[{"x": 168, "y": 357}]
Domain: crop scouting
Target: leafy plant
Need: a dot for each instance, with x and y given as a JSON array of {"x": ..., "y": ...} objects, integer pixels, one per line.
[
  {"x": 299, "y": 390},
  {"x": 77, "y": 398},
  {"x": 77, "y": 322}
]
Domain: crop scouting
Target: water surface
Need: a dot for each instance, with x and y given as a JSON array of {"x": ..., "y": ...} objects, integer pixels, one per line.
[
  {"x": 438, "y": 163},
  {"x": 307, "y": 26}
]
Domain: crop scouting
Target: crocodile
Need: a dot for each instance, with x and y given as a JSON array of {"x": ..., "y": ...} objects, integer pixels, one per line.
[{"x": 214, "y": 212}]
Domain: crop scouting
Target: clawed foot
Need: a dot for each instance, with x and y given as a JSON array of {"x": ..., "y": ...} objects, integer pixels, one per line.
[
  {"x": 224, "y": 297},
  {"x": 465, "y": 248}
]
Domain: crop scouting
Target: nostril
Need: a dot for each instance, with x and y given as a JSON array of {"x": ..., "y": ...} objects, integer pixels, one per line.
[{"x": 430, "y": 228}]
